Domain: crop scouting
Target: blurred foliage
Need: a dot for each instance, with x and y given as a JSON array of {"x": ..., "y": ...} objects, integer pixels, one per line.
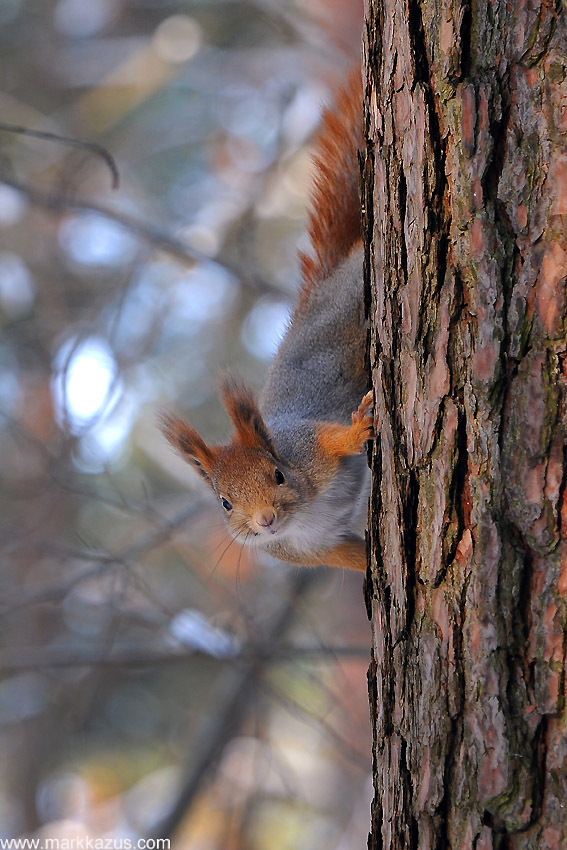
[{"x": 154, "y": 676}]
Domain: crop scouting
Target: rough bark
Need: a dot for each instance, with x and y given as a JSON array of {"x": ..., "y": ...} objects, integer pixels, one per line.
[{"x": 466, "y": 203}]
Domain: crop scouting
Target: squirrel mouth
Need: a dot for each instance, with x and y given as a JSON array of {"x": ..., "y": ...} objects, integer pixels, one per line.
[
  {"x": 270, "y": 531},
  {"x": 266, "y": 532}
]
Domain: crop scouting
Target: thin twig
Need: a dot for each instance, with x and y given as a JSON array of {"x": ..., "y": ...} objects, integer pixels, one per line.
[
  {"x": 61, "y": 203},
  {"x": 59, "y": 589},
  {"x": 93, "y": 147}
]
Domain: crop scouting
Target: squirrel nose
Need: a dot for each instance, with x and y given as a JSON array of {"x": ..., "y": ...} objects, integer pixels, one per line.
[{"x": 265, "y": 518}]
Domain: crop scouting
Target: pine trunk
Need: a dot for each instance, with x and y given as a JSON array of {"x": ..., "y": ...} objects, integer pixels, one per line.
[{"x": 465, "y": 184}]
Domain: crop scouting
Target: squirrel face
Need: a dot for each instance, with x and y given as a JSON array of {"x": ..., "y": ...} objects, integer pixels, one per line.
[{"x": 256, "y": 489}]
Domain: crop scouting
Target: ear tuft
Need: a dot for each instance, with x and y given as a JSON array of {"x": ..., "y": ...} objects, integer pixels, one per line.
[
  {"x": 242, "y": 407},
  {"x": 188, "y": 443}
]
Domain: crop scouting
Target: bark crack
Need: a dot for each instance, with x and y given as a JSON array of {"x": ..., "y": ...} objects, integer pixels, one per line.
[
  {"x": 457, "y": 504},
  {"x": 561, "y": 532},
  {"x": 455, "y": 735},
  {"x": 408, "y": 818},
  {"x": 465, "y": 34},
  {"x": 402, "y": 194}
]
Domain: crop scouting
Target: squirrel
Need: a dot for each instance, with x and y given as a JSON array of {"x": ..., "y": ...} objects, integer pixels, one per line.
[{"x": 295, "y": 481}]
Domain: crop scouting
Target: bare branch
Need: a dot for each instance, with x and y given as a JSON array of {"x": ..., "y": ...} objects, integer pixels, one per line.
[
  {"x": 92, "y": 147},
  {"x": 61, "y": 203}
]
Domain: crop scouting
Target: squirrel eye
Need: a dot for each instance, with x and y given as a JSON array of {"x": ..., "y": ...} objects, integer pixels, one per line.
[
  {"x": 226, "y": 504},
  {"x": 279, "y": 477}
]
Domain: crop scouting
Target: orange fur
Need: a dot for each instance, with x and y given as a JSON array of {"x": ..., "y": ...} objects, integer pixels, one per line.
[
  {"x": 350, "y": 554},
  {"x": 334, "y": 220},
  {"x": 337, "y": 441},
  {"x": 189, "y": 444}
]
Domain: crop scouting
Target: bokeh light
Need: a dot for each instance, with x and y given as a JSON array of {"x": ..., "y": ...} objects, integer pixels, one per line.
[{"x": 86, "y": 383}]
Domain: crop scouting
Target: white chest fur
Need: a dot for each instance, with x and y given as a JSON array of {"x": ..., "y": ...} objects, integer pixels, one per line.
[{"x": 337, "y": 513}]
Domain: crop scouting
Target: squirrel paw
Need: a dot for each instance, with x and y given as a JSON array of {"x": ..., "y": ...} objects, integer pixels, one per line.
[
  {"x": 362, "y": 428},
  {"x": 338, "y": 441}
]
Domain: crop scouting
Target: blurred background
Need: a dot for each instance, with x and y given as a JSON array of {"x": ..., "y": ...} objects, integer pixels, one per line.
[{"x": 156, "y": 680}]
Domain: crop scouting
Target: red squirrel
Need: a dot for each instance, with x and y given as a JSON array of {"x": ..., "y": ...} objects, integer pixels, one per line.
[{"x": 294, "y": 481}]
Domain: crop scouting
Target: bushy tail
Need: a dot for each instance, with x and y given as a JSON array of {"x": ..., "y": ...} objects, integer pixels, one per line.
[{"x": 334, "y": 219}]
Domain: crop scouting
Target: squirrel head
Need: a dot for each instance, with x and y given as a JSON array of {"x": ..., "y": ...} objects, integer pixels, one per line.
[{"x": 257, "y": 490}]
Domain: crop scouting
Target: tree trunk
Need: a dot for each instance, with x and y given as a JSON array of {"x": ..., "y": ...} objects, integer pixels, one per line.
[{"x": 465, "y": 189}]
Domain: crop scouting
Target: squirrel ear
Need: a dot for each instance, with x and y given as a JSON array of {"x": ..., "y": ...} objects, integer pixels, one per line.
[
  {"x": 242, "y": 407},
  {"x": 189, "y": 444}
]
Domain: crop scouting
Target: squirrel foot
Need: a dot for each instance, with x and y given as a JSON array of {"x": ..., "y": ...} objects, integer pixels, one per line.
[
  {"x": 343, "y": 440},
  {"x": 363, "y": 421}
]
